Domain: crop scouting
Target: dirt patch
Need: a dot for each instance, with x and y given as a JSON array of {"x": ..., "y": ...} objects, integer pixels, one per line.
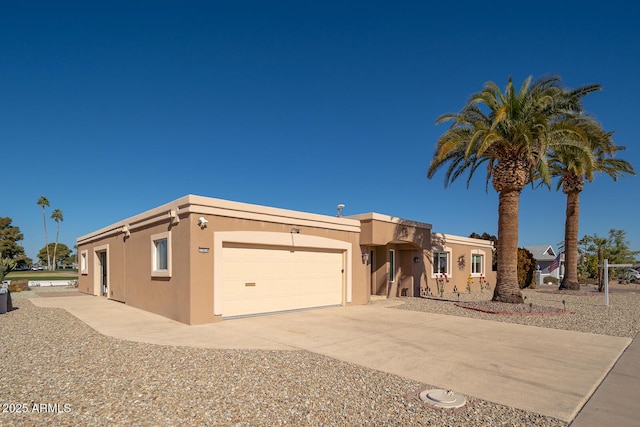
[
  {"x": 59, "y": 294},
  {"x": 572, "y": 293},
  {"x": 494, "y": 307}
]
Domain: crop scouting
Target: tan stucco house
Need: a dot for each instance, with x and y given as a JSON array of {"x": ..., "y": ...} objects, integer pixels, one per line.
[{"x": 200, "y": 260}]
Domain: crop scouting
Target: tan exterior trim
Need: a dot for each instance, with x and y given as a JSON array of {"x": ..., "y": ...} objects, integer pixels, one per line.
[
  {"x": 452, "y": 239},
  {"x": 210, "y": 206},
  {"x": 380, "y": 230},
  {"x": 388, "y": 218}
]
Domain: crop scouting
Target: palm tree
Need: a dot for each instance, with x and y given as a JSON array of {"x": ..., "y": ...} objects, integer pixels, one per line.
[
  {"x": 512, "y": 132},
  {"x": 57, "y": 216},
  {"x": 42, "y": 202},
  {"x": 574, "y": 167}
]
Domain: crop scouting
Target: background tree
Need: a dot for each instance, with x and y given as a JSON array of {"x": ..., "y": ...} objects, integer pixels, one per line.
[
  {"x": 617, "y": 249},
  {"x": 526, "y": 268},
  {"x": 614, "y": 248},
  {"x": 6, "y": 266},
  {"x": 44, "y": 202},
  {"x": 512, "y": 132},
  {"x": 574, "y": 167},
  {"x": 583, "y": 261},
  {"x": 9, "y": 246},
  {"x": 63, "y": 252},
  {"x": 57, "y": 216}
]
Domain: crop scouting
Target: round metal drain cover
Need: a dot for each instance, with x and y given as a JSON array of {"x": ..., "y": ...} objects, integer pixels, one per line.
[{"x": 441, "y": 398}]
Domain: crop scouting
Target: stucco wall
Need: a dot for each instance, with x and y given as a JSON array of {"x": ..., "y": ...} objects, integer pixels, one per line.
[
  {"x": 187, "y": 294},
  {"x": 460, "y": 250}
]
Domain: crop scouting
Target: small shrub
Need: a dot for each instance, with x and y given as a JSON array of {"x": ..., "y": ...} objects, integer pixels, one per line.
[
  {"x": 526, "y": 268},
  {"x": 550, "y": 279},
  {"x": 19, "y": 286}
]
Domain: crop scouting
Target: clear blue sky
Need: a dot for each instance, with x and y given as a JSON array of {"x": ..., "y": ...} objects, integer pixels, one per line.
[{"x": 110, "y": 108}]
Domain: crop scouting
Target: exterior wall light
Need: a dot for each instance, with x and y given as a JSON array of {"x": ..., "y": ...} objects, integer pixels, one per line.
[
  {"x": 365, "y": 257},
  {"x": 202, "y": 222},
  {"x": 295, "y": 231}
]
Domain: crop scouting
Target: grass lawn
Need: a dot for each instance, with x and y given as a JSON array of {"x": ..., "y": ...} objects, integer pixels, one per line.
[{"x": 43, "y": 275}]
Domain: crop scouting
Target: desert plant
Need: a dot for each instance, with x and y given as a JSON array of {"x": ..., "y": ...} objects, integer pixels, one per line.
[
  {"x": 526, "y": 268},
  {"x": 6, "y": 266},
  {"x": 441, "y": 281},
  {"x": 19, "y": 286}
]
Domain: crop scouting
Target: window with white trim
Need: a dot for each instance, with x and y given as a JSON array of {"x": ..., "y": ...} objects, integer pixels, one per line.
[
  {"x": 477, "y": 263},
  {"x": 440, "y": 262},
  {"x": 161, "y": 255},
  {"x": 83, "y": 262}
]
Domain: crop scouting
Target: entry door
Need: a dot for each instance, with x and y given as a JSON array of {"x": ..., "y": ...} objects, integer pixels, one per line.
[{"x": 102, "y": 258}]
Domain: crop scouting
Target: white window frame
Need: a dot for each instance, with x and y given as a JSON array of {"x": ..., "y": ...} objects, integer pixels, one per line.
[
  {"x": 155, "y": 272},
  {"x": 84, "y": 260},
  {"x": 435, "y": 263},
  {"x": 483, "y": 268}
]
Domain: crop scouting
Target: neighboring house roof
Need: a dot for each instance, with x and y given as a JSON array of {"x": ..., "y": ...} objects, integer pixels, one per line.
[{"x": 542, "y": 252}]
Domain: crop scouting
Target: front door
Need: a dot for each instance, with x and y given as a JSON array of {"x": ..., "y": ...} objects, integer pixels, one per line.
[{"x": 102, "y": 258}]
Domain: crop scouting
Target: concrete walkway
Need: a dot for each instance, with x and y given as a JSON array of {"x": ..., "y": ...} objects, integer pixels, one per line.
[
  {"x": 547, "y": 371},
  {"x": 615, "y": 402}
]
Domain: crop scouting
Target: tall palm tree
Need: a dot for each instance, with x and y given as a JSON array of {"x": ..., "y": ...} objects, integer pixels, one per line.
[
  {"x": 574, "y": 168},
  {"x": 42, "y": 202},
  {"x": 57, "y": 216},
  {"x": 512, "y": 132}
]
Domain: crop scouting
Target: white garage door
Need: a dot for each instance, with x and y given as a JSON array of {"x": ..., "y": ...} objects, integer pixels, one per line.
[{"x": 265, "y": 280}]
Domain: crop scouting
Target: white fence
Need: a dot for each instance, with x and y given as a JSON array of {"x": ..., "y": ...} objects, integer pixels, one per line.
[{"x": 37, "y": 283}]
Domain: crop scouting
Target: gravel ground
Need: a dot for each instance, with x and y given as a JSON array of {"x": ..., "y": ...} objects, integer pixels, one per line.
[
  {"x": 588, "y": 313},
  {"x": 58, "y": 371}
]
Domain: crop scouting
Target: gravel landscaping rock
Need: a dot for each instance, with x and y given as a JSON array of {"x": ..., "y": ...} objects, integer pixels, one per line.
[
  {"x": 587, "y": 313},
  {"x": 58, "y": 371}
]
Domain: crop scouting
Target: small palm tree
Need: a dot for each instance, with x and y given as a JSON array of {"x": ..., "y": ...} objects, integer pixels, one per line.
[
  {"x": 573, "y": 167},
  {"x": 42, "y": 202},
  {"x": 512, "y": 132},
  {"x": 57, "y": 216}
]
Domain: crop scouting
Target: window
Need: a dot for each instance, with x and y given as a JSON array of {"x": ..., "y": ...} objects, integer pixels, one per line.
[
  {"x": 440, "y": 262},
  {"x": 477, "y": 261},
  {"x": 161, "y": 255},
  {"x": 83, "y": 262},
  {"x": 392, "y": 265}
]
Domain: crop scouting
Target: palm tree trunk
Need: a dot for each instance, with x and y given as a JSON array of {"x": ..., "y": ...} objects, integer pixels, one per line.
[
  {"x": 55, "y": 247},
  {"x": 46, "y": 239},
  {"x": 507, "y": 288},
  {"x": 600, "y": 268},
  {"x": 570, "y": 279}
]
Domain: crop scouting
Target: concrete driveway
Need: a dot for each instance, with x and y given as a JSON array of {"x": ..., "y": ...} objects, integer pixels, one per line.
[{"x": 547, "y": 371}]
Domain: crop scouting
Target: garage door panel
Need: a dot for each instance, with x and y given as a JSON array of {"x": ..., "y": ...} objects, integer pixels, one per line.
[{"x": 284, "y": 279}]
